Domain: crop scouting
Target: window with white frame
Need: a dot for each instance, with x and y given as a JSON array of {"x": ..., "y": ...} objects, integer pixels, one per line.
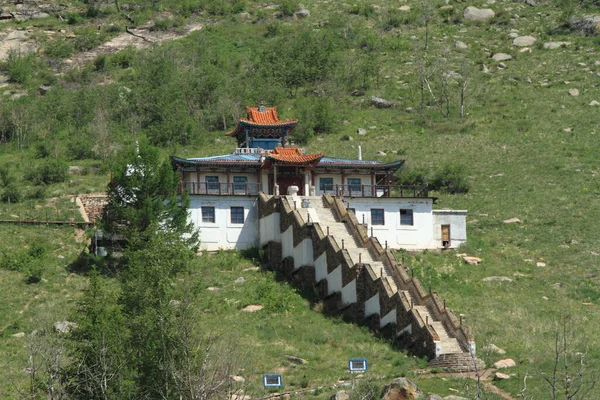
[{"x": 406, "y": 217}]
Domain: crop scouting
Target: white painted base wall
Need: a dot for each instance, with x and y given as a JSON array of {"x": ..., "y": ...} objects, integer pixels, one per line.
[{"x": 222, "y": 234}]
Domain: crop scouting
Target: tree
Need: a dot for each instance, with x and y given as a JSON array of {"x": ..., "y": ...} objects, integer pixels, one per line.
[
  {"x": 570, "y": 374},
  {"x": 144, "y": 199}
]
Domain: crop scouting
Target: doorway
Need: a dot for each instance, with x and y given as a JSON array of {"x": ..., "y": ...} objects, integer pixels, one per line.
[{"x": 445, "y": 236}]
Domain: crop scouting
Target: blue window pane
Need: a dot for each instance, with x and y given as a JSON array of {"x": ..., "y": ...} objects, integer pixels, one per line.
[
  {"x": 325, "y": 184},
  {"x": 240, "y": 184},
  {"x": 377, "y": 216},
  {"x": 208, "y": 214},
  {"x": 212, "y": 183},
  {"x": 406, "y": 217},
  {"x": 237, "y": 215}
]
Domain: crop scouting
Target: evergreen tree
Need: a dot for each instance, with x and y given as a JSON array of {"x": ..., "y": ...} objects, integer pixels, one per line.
[{"x": 144, "y": 199}]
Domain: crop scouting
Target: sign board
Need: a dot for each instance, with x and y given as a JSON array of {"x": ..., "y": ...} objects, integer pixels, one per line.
[
  {"x": 272, "y": 380},
  {"x": 358, "y": 364}
]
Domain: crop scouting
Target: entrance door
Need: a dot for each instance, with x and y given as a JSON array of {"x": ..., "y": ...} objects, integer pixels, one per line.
[
  {"x": 446, "y": 236},
  {"x": 290, "y": 180}
]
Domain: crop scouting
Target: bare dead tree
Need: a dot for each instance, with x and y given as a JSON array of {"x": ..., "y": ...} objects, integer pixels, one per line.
[
  {"x": 426, "y": 17},
  {"x": 47, "y": 359}
]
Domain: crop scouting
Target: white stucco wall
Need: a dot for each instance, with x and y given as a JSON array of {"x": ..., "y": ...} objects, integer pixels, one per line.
[
  {"x": 334, "y": 281},
  {"x": 222, "y": 234},
  {"x": 388, "y": 318},
  {"x": 321, "y": 267},
  {"x": 372, "y": 305},
  {"x": 269, "y": 229},
  {"x": 416, "y": 236},
  {"x": 457, "y": 219},
  {"x": 349, "y": 293}
]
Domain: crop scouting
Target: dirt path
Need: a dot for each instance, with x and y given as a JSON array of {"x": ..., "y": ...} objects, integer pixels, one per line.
[
  {"x": 138, "y": 38},
  {"x": 25, "y": 307}
]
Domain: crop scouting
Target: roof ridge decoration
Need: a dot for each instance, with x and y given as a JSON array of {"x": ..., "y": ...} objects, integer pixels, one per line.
[{"x": 262, "y": 117}]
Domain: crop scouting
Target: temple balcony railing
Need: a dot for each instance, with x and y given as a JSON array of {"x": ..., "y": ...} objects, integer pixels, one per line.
[
  {"x": 376, "y": 191},
  {"x": 220, "y": 189}
]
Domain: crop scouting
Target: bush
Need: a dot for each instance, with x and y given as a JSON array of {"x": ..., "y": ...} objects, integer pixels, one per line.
[
  {"x": 288, "y": 7},
  {"x": 11, "y": 194},
  {"x": 59, "y": 49},
  {"x": 74, "y": 18},
  {"x": 51, "y": 171},
  {"x": 450, "y": 179},
  {"x": 20, "y": 68}
]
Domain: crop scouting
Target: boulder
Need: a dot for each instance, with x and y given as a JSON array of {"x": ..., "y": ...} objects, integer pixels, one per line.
[
  {"x": 381, "y": 103},
  {"x": 497, "y": 279},
  {"x": 574, "y": 92},
  {"x": 237, "y": 378},
  {"x": 401, "y": 389},
  {"x": 64, "y": 326},
  {"x": 480, "y": 15},
  {"x": 472, "y": 260},
  {"x": 556, "y": 45},
  {"x": 594, "y": 103},
  {"x": 524, "y": 41},
  {"x": 341, "y": 395},
  {"x": 240, "y": 280},
  {"x": 19, "y": 335},
  {"x": 296, "y": 360},
  {"x": 499, "y": 376},
  {"x": 460, "y": 45},
  {"x": 588, "y": 24},
  {"x": 253, "y": 308},
  {"x": 404, "y": 8},
  {"x": 512, "y": 221},
  {"x": 501, "y": 57},
  {"x": 540, "y": 264},
  {"x": 302, "y": 13},
  {"x": 492, "y": 348},
  {"x": 507, "y": 363},
  {"x": 453, "y": 397},
  {"x": 433, "y": 396},
  {"x": 361, "y": 131}
]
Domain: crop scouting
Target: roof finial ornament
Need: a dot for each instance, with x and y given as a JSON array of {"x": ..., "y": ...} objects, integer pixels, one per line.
[{"x": 261, "y": 107}]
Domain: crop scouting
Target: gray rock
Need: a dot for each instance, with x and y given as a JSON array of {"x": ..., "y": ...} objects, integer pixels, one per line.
[
  {"x": 381, "y": 103},
  {"x": 574, "y": 92},
  {"x": 453, "y": 397},
  {"x": 556, "y": 45},
  {"x": 497, "y": 279},
  {"x": 304, "y": 13},
  {"x": 460, "y": 45},
  {"x": 524, "y": 41},
  {"x": 381, "y": 153},
  {"x": 433, "y": 396},
  {"x": 501, "y": 65},
  {"x": 492, "y": 348},
  {"x": 501, "y": 57},
  {"x": 64, "y": 326},
  {"x": 514, "y": 220},
  {"x": 401, "y": 388},
  {"x": 513, "y": 35},
  {"x": 404, "y": 8},
  {"x": 341, "y": 395},
  {"x": 527, "y": 80},
  {"x": 296, "y": 360},
  {"x": 594, "y": 103},
  {"x": 481, "y": 15},
  {"x": 499, "y": 376},
  {"x": 361, "y": 131},
  {"x": 347, "y": 138},
  {"x": 588, "y": 24},
  {"x": 44, "y": 89},
  {"x": 19, "y": 335},
  {"x": 240, "y": 280},
  {"x": 507, "y": 363}
]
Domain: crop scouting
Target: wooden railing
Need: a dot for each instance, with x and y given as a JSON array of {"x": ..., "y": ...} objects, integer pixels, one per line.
[
  {"x": 221, "y": 189},
  {"x": 376, "y": 191}
]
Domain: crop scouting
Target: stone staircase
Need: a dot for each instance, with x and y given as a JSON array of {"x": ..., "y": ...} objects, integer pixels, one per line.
[{"x": 315, "y": 211}]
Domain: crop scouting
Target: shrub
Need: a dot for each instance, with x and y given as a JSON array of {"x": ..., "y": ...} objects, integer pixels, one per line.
[
  {"x": 288, "y": 7},
  {"x": 123, "y": 58},
  {"x": 100, "y": 63},
  {"x": 51, "y": 171},
  {"x": 450, "y": 179},
  {"x": 59, "y": 49},
  {"x": 74, "y": 18},
  {"x": 12, "y": 194},
  {"x": 88, "y": 38},
  {"x": 20, "y": 68}
]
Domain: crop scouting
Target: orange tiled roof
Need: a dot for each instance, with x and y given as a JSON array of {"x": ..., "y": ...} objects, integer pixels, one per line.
[
  {"x": 293, "y": 155},
  {"x": 257, "y": 118}
]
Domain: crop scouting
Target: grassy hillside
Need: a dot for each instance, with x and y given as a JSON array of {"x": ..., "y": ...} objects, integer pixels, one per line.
[{"x": 527, "y": 147}]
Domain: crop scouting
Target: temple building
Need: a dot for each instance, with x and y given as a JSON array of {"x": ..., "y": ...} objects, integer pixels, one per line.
[{"x": 224, "y": 189}]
